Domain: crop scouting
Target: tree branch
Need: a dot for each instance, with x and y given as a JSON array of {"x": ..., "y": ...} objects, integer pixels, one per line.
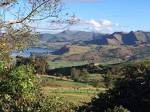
[{"x": 29, "y": 15}]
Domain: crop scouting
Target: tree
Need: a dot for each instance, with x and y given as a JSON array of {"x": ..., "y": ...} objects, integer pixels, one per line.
[
  {"x": 108, "y": 79},
  {"x": 79, "y": 75},
  {"x": 39, "y": 63},
  {"x": 75, "y": 74},
  {"x": 130, "y": 92},
  {"x": 17, "y": 19},
  {"x": 20, "y": 92},
  {"x": 17, "y": 89}
]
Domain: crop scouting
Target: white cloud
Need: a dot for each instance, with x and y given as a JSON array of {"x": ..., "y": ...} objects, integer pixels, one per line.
[
  {"x": 83, "y": 24},
  {"x": 94, "y": 23},
  {"x": 97, "y": 25}
]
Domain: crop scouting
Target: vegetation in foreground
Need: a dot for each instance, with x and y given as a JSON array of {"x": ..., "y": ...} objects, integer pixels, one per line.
[
  {"x": 130, "y": 92},
  {"x": 20, "y": 92},
  {"x": 123, "y": 87}
]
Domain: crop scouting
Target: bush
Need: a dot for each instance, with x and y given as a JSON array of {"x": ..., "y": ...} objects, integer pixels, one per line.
[
  {"x": 118, "y": 109},
  {"x": 39, "y": 63},
  {"x": 99, "y": 84},
  {"x": 20, "y": 92},
  {"x": 53, "y": 104},
  {"x": 79, "y": 75},
  {"x": 108, "y": 79},
  {"x": 17, "y": 90},
  {"x": 2, "y": 67},
  {"x": 132, "y": 92}
]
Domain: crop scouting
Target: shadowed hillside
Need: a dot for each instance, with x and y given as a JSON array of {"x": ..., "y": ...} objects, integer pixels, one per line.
[{"x": 81, "y": 37}]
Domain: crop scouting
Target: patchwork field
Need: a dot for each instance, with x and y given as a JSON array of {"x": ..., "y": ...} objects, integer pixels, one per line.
[{"x": 74, "y": 92}]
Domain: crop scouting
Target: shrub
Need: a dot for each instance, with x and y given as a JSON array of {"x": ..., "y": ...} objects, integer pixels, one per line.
[
  {"x": 117, "y": 109},
  {"x": 132, "y": 92},
  {"x": 20, "y": 92},
  {"x": 52, "y": 104},
  {"x": 2, "y": 67},
  {"x": 79, "y": 75},
  {"x": 17, "y": 90},
  {"x": 39, "y": 63}
]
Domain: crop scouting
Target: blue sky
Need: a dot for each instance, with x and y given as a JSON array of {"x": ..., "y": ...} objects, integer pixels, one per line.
[
  {"x": 125, "y": 15},
  {"x": 106, "y": 15}
]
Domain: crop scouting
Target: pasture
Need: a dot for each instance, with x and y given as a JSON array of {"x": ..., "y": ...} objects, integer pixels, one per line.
[{"x": 74, "y": 92}]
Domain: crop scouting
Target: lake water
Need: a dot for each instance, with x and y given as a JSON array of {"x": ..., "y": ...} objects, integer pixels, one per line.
[{"x": 28, "y": 51}]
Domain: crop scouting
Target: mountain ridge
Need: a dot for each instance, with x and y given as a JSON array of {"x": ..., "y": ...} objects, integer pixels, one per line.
[{"x": 82, "y": 37}]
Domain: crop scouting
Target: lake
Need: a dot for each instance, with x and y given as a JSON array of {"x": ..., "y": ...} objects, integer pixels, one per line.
[{"x": 28, "y": 51}]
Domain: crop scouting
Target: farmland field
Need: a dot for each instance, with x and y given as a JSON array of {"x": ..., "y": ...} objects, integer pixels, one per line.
[
  {"x": 61, "y": 64},
  {"x": 74, "y": 92}
]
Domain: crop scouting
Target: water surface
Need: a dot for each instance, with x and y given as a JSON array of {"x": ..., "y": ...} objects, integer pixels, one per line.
[{"x": 28, "y": 51}]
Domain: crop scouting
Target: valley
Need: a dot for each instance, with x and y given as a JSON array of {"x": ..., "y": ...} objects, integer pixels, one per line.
[
  {"x": 74, "y": 56},
  {"x": 89, "y": 47}
]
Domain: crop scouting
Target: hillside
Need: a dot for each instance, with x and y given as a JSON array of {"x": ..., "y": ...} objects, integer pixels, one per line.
[
  {"x": 98, "y": 54},
  {"x": 85, "y": 38},
  {"x": 103, "y": 53},
  {"x": 72, "y": 49},
  {"x": 97, "y": 47},
  {"x": 69, "y": 36},
  {"x": 121, "y": 38}
]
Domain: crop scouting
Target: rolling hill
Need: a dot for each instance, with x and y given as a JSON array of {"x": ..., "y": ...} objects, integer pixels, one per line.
[
  {"x": 91, "y": 46},
  {"x": 85, "y": 38}
]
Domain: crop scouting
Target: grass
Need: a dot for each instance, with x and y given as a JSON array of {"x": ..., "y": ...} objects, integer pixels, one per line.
[
  {"x": 61, "y": 64},
  {"x": 74, "y": 92},
  {"x": 95, "y": 77},
  {"x": 77, "y": 96},
  {"x": 77, "y": 49},
  {"x": 48, "y": 81},
  {"x": 76, "y": 99}
]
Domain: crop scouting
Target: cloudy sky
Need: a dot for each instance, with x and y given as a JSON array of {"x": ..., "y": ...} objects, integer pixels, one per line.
[
  {"x": 110, "y": 15},
  {"x": 105, "y": 15}
]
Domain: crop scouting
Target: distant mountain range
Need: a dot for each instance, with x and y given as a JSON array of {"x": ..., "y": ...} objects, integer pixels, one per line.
[
  {"x": 82, "y": 37},
  {"x": 121, "y": 38},
  {"x": 70, "y": 36},
  {"x": 98, "y": 47}
]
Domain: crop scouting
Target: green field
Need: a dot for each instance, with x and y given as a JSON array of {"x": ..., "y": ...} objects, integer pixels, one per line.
[
  {"x": 61, "y": 64},
  {"x": 74, "y": 92}
]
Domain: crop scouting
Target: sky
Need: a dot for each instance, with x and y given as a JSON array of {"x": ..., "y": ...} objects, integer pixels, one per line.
[
  {"x": 110, "y": 15},
  {"x": 104, "y": 15}
]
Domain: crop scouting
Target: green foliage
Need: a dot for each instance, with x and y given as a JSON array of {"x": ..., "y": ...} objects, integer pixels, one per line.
[
  {"x": 108, "y": 79},
  {"x": 134, "y": 71},
  {"x": 118, "y": 109},
  {"x": 132, "y": 92},
  {"x": 17, "y": 89},
  {"x": 53, "y": 104},
  {"x": 2, "y": 67},
  {"x": 21, "y": 92},
  {"x": 39, "y": 63},
  {"x": 79, "y": 75},
  {"x": 22, "y": 79},
  {"x": 75, "y": 74}
]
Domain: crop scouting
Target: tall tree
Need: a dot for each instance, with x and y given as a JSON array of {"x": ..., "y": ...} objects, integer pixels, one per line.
[{"x": 17, "y": 18}]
